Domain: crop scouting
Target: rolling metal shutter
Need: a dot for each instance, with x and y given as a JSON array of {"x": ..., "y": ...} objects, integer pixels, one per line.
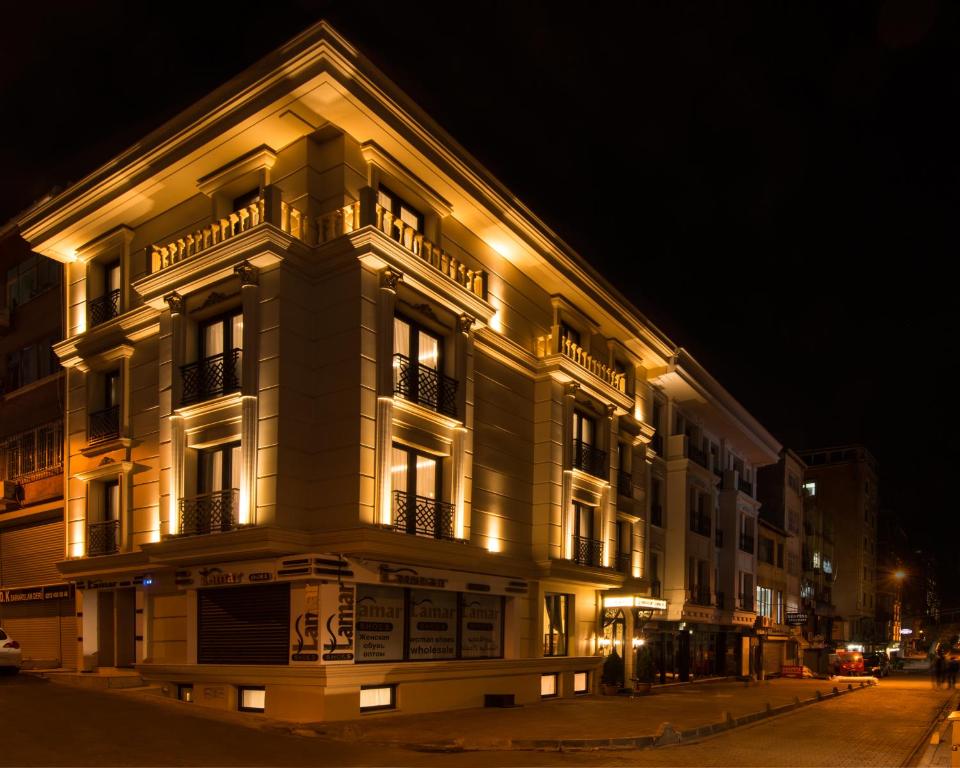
[
  {"x": 244, "y": 625},
  {"x": 43, "y": 629},
  {"x": 29, "y": 553}
]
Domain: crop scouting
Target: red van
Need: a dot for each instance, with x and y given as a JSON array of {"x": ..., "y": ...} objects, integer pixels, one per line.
[{"x": 847, "y": 663}]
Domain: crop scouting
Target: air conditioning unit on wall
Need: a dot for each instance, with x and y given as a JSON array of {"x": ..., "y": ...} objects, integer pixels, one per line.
[{"x": 12, "y": 493}]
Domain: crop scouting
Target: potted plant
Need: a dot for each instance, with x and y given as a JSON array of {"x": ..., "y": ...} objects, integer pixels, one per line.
[
  {"x": 612, "y": 676},
  {"x": 643, "y": 670}
]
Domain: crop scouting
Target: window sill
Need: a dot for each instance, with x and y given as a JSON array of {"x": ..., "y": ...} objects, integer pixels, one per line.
[{"x": 105, "y": 446}]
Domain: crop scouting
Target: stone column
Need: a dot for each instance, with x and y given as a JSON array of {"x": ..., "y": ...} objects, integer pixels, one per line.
[
  {"x": 249, "y": 387},
  {"x": 177, "y": 347},
  {"x": 609, "y": 511},
  {"x": 566, "y": 511},
  {"x": 177, "y": 458},
  {"x": 463, "y": 350},
  {"x": 386, "y": 306}
]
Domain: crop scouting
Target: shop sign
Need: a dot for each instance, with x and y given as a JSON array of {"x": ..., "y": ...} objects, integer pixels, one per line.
[
  {"x": 36, "y": 594},
  {"x": 380, "y": 623},
  {"x": 214, "y": 577},
  {"x": 791, "y": 671},
  {"x": 306, "y": 627},
  {"x": 481, "y": 626},
  {"x": 796, "y": 618},
  {"x": 404, "y": 575},
  {"x": 409, "y": 577},
  {"x": 432, "y": 625},
  {"x": 337, "y": 611}
]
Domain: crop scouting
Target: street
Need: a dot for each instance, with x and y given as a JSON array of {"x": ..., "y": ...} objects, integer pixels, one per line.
[{"x": 43, "y": 723}]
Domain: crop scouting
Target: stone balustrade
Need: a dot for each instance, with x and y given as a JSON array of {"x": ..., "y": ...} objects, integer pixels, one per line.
[{"x": 580, "y": 356}]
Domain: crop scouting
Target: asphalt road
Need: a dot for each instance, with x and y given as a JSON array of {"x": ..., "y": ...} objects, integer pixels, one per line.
[{"x": 43, "y": 723}]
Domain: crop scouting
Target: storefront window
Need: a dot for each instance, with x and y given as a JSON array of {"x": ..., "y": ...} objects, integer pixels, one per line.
[
  {"x": 380, "y": 623},
  {"x": 433, "y": 625},
  {"x": 481, "y": 627},
  {"x": 556, "y": 619}
]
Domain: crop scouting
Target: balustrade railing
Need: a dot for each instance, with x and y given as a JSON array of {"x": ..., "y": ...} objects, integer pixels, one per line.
[
  {"x": 624, "y": 483},
  {"x": 587, "y": 551},
  {"x": 104, "y": 424},
  {"x": 423, "y": 516},
  {"x": 546, "y": 346},
  {"x": 209, "y": 513},
  {"x": 589, "y": 459},
  {"x": 211, "y": 377},
  {"x": 32, "y": 454},
  {"x": 103, "y": 538},
  {"x": 424, "y": 385},
  {"x": 103, "y": 308}
]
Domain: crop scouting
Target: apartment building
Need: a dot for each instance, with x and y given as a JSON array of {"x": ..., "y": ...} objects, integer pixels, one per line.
[
  {"x": 36, "y": 605},
  {"x": 349, "y": 429},
  {"x": 843, "y": 487}
]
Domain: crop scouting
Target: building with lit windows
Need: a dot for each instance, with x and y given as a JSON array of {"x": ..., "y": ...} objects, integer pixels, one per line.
[{"x": 348, "y": 428}]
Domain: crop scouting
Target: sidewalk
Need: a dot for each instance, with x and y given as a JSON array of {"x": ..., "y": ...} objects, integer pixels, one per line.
[{"x": 669, "y": 715}]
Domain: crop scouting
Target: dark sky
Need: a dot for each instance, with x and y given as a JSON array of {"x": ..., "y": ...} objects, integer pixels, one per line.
[{"x": 773, "y": 184}]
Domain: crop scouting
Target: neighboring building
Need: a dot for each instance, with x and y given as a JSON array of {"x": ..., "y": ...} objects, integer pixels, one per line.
[
  {"x": 778, "y": 647},
  {"x": 36, "y": 606},
  {"x": 351, "y": 429},
  {"x": 844, "y": 482}
]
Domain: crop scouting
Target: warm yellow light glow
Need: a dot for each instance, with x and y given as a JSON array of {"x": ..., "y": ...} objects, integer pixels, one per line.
[
  {"x": 900, "y": 574},
  {"x": 496, "y": 324},
  {"x": 494, "y": 542},
  {"x": 638, "y": 642},
  {"x": 500, "y": 247},
  {"x": 618, "y": 602}
]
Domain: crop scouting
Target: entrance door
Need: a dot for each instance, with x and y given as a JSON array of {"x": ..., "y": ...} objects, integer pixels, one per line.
[
  {"x": 125, "y": 612},
  {"x": 106, "y": 648}
]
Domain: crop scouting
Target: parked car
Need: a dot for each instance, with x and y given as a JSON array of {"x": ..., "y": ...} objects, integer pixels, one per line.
[
  {"x": 846, "y": 663},
  {"x": 876, "y": 664},
  {"x": 11, "y": 657}
]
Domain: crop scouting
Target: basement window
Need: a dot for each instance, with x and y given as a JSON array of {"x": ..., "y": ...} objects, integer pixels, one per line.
[
  {"x": 250, "y": 699},
  {"x": 185, "y": 692},
  {"x": 581, "y": 683},
  {"x": 377, "y": 697},
  {"x": 548, "y": 686}
]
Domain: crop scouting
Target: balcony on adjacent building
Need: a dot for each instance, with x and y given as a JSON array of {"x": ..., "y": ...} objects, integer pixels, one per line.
[
  {"x": 103, "y": 538},
  {"x": 700, "y": 522},
  {"x": 700, "y": 595},
  {"x": 32, "y": 454},
  {"x": 589, "y": 459},
  {"x": 587, "y": 551},
  {"x": 624, "y": 483},
  {"x": 423, "y": 516},
  {"x": 103, "y": 425},
  {"x": 424, "y": 386},
  {"x": 209, "y": 513},
  {"x": 103, "y": 308},
  {"x": 211, "y": 377},
  {"x": 747, "y": 543}
]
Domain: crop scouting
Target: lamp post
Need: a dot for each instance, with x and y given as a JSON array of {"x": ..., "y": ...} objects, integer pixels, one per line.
[{"x": 898, "y": 576}]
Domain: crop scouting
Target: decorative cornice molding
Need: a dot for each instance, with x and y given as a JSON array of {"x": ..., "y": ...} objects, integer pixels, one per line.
[
  {"x": 249, "y": 274},
  {"x": 174, "y": 302},
  {"x": 390, "y": 279}
]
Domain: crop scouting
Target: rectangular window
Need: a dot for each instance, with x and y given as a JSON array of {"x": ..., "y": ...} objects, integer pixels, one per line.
[
  {"x": 765, "y": 550},
  {"x": 431, "y": 625},
  {"x": 765, "y": 601},
  {"x": 417, "y": 484},
  {"x": 185, "y": 693},
  {"x": 548, "y": 686},
  {"x": 251, "y": 699},
  {"x": 375, "y": 697},
  {"x": 218, "y": 469},
  {"x": 481, "y": 626},
  {"x": 581, "y": 681},
  {"x": 556, "y": 619},
  {"x": 810, "y": 489},
  {"x": 567, "y": 332},
  {"x": 584, "y": 429},
  {"x": 400, "y": 209}
]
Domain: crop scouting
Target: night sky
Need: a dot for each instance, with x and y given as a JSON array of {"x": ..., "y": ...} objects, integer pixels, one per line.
[{"x": 772, "y": 184}]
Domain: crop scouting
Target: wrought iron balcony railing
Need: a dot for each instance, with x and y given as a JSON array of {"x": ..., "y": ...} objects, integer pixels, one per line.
[
  {"x": 700, "y": 522},
  {"x": 624, "y": 483},
  {"x": 746, "y": 543},
  {"x": 33, "y": 454},
  {"x": 700, "y": 595},
  {"x": 211, "y": 377},
  {"x": 422, "y": 516},
  {"x": 589, "y": 459},
  {"x": 587, "y": 551},
  {"x": 209, "y": 513},
  {"x": 103, "y": 308},
  {"x": 656, "y": 515},
  {"x": 103, "y": 538},
  {"x": 624, "y": 563},
  {"x": 103, "y": 425},
  {"x": 424, "y": 386}
]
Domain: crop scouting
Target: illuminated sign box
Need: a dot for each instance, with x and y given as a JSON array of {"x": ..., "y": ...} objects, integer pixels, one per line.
[{"x": 635, "y": 601}]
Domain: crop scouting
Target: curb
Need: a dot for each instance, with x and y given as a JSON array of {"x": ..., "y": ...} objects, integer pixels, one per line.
[{"x": 665, "y": 736}]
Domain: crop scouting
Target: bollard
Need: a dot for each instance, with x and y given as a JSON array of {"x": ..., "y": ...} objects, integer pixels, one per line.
[{"x": 953, "y": 717}]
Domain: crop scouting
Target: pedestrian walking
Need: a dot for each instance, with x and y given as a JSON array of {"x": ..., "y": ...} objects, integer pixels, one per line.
[
  {"x": 953, "y": 665},
  {"x": 939, "y": 667}
]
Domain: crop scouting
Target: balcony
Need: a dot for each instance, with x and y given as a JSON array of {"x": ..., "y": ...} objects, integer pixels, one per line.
[
  {"x": 700, "y": 522},
  {"x": 624, "y": 483},
  {"x": 103, "y": 538},
  {"x": 422, "y": 516},
  {"x": 548, "y": 345},
  {"x": 624, "y": 563},
  {"x": 103, "y": 308},
  {"x": 424, "y": 386},
  {"x": 103, "y": 425},
  {"x": 746, "y": 543},
  {"x": 745, "y": 602},
  {"x": 209, "y": 513},
  {"x": 211, "y": 377},
  {"x": 33, "y": 454},
  {"x": 587, "y": 551},
  {"x": 745, "y": 487},
  {"x": 656, "y": 515},
  {"x": 700, "y": 595},
  {"x": 589, "y": 459}
]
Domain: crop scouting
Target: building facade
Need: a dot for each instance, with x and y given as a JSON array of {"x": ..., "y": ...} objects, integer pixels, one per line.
[
  {"x": 842, "y": 485},
  {"x": 350, "y": 429},
  {"x": 36, "y": 605}
]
